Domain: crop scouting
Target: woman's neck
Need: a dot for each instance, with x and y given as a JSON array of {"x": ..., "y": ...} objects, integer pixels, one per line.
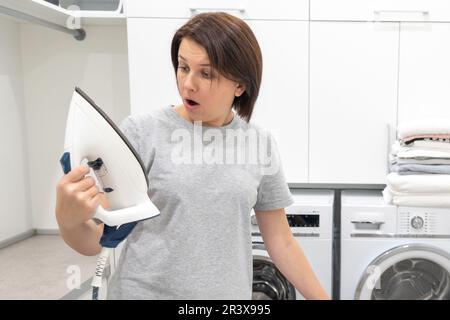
[{"x": 181, "y": 110}]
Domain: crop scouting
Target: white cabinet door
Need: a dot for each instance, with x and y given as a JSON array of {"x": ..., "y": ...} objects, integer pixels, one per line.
[
  {"x": 380, "y": 10},
  {"x": 282, "y": 105},
  {"x": 424, "y": 77},
  {"x": 152, "y": 77},
  {"x": 353, "y": 99}
]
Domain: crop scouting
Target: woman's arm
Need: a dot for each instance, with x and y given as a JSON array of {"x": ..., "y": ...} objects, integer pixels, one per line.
[{"x": 287, "y": 254}]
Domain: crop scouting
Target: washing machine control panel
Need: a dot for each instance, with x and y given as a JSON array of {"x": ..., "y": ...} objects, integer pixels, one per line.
[
  {"x": 411, "y": 222},
  {"x": 423, "y": 221},
  {"x": 309, "y": 220}
]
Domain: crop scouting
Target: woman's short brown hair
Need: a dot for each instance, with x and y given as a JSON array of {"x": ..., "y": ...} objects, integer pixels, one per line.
[{"x": 232, "y": 50}]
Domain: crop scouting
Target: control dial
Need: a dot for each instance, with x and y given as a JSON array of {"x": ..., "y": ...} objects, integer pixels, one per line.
[{"x": 417, "y": 222}]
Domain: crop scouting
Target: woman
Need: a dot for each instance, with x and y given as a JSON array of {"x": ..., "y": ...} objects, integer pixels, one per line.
[{"x": 205, "y": 177}]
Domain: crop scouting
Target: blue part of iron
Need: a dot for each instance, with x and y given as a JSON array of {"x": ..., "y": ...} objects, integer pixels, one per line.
[
  {"x": 112, "y": 236},
  {"x": 65, "y": 162}
]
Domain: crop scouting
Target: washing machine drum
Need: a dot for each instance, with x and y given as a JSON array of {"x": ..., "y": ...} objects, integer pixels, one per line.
[
  {"x": 268, "y": 282},
  {"x": 414, "y": 279},
  {"x": 410, "y": 272}
]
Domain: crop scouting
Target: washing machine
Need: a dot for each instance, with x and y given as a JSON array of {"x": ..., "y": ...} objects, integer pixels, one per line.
[
  {"x": 311, "y": 221},
  {"x": 390, "y": 252}
]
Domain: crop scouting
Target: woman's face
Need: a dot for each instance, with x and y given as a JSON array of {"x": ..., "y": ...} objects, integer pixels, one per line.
[{"x": 207, "y": 95}]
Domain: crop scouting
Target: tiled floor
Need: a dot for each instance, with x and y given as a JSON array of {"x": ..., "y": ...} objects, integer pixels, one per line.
[{"x": 41, "y": 267}]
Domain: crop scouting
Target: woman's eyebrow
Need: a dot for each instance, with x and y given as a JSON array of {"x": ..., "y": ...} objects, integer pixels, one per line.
[{"x": 202, "y": 64}]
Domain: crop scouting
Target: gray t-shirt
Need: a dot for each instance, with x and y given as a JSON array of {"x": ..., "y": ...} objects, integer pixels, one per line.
[{"x": 205, "y": 182}]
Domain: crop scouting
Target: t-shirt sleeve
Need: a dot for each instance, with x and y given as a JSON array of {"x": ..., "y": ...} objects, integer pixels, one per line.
[{"x": 273, "y": 191}]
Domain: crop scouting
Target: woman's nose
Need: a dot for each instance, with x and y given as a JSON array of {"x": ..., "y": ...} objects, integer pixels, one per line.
[{"x": 189, "y": 82}]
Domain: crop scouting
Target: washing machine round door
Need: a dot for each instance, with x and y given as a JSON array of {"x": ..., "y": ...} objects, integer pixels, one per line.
[
  {"x": 268, "y": 282},
  {"x": 407, "y": 272}
]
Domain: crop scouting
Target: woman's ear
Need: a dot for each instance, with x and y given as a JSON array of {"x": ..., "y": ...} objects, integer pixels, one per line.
[{"x": 240, "y": 89}]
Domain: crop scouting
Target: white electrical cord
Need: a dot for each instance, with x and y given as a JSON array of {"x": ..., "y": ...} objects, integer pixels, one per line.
[{"x": 102, "y": 260}]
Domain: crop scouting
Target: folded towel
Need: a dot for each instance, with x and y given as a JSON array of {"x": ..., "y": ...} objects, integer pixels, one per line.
[
  {"x": 421, "y": 152},
  {"x": 428, "y": 144},
  {"x": 436, "y": 183},
  {"x": 425, "y": 126},
  {"x": 395, "y": 160},
  {"x": 427, "y": 149},
  {"x": 408, "y": 153},
  {"x": 420, "y": 168},
  {"x": 426, "y": 136},
  {"x": 416, "y": 200}
]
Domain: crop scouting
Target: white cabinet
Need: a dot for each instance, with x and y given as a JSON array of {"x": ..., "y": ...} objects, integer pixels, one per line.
[
  {"x": 246, "y": 9},
  {"x": 424, "y": 77},
  {"x": 282, "y": 105},
  {"x": 353, "y": 99},
  {"x": 380, "y": 10},
  {"x": 152, "y": 77}
]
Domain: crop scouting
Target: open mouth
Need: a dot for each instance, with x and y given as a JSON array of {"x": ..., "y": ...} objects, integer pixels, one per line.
[{"x": 191, "y": 103}]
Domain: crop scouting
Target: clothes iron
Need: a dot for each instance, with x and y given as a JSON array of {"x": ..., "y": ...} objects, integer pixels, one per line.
[{"x": 93, "y": 139}]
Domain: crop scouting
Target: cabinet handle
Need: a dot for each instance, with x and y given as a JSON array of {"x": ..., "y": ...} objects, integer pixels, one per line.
[
  {"x": 196, "y": 10},
  {"x": 377, "y": 13}
]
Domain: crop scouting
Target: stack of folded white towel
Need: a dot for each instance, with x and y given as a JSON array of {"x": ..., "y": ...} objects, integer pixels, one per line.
[{"x": 420, "y": 165}]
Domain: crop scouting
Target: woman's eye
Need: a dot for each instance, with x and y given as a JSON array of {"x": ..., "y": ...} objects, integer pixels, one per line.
[
  {"x": 206, "y": 74},
  {"x": 183, "y": 68}
]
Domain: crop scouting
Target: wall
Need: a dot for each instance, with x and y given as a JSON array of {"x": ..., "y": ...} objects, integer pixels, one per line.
[
  {"x": 53, "y": 64},
  {"x": 15, "y": 214}
]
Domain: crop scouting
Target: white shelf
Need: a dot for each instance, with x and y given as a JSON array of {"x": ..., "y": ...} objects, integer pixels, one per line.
[
  {"x": 55, "y": 14},
  {"x": 99, "y": 17}
]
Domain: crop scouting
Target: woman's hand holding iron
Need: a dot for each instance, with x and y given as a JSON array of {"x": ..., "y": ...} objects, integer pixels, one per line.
[{"x": 77, "y": 198}]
